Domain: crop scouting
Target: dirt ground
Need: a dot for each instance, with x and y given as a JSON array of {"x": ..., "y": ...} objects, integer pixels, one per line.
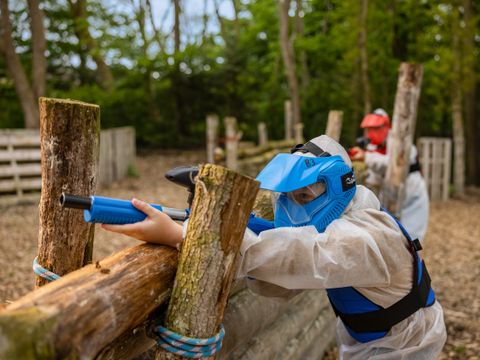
[{"x": 452, "y": 247}]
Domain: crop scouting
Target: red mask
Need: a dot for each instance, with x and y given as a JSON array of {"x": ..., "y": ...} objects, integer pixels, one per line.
[{"x": 377, "y": 135}]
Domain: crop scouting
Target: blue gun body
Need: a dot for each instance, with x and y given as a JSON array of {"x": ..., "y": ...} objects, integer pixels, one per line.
[{"x": 105, "y": 210}]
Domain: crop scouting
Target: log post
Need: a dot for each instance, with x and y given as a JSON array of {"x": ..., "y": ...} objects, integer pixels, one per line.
[
  {"x": 69, "y": 137},
  {"x": 231, "y": 142},
  {"x": 212, "y": 137},
  {"x": 334, "y": 124},
  {"x": 262, "y": 134},
  {"x": 207, "y": 263},
  {"x": 401, "y": 136},
  {"x": 288, "y": 116},
  {"x": 298, "y": 129}
]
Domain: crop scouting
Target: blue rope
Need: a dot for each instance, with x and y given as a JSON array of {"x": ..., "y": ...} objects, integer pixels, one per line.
[
  {"x": 188, "y": 347},
  {"x": 44, "y": 273}
]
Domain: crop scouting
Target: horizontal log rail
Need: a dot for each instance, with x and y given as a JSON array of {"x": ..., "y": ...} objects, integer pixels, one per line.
[{"x": 78, "y": 315}]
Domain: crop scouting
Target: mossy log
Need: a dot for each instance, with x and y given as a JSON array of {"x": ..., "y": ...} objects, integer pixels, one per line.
[
  {"x": 270, "y": 343},
  {"x": 207, "y": 264},
  {"x": 69, "y": 138},
  {"x": 316, "y": 336},
  {"x": 81, "y": 313}
]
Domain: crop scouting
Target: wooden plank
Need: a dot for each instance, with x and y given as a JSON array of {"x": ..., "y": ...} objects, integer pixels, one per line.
[
  {"x": 105, "y": 161},
  {"x": 24, "y": 184},
  {"x": 20, "y": 155},
  {"x": 19, "y": 137},
  {"x": 447, "y": 156},
  {"x": 20, "y": 169}
]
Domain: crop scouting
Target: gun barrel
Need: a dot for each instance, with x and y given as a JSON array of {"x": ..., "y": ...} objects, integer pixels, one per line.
[{"x": 75, "y": 201}]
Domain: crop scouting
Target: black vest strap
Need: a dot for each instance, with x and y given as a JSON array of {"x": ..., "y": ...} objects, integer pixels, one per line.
[{"x": 384, "y": 319}]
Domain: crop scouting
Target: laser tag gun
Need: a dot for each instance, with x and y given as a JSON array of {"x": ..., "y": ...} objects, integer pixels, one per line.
[{"x": 105, "y": 210}]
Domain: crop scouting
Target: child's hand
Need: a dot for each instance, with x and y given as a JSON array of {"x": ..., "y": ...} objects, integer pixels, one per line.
[{"x": 156, "y": 228}]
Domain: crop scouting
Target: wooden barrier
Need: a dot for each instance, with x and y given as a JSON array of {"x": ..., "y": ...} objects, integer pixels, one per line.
[
  {"x": 435, "y": 155},
  {"x": 117, "y": 154},
  {"x": 20, "y": 170}
]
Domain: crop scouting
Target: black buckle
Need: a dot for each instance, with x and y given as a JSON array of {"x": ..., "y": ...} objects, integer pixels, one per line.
[{"x": 417, "y": 245}]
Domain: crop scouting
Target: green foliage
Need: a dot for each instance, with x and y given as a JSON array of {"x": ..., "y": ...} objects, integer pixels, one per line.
[{"x": 237, "y": 69}]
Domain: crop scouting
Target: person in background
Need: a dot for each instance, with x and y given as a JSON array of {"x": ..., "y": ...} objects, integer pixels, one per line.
[
  {"x": 374, "y": 152},
  {"x": 329, "y": 233}
]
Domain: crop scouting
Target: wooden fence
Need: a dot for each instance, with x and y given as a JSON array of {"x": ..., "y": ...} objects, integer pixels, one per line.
[
  {"x": 20, "y": 171},
  {"x": 435, "y": 155}
]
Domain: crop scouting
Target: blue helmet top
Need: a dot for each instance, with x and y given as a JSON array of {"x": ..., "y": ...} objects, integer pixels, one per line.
[{"x": 294, "y": 176}]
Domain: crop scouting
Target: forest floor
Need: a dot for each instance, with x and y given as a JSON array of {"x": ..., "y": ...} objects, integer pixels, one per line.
[{"x": 452, "y": 247}]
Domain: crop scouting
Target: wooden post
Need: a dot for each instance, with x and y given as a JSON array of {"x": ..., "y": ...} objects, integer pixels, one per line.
[
  {"x": 288, "y": 119},
  {"x": 262, "y": 134},
  {"x": 212, "y": 137},
  {"x": 334, "y": 124},
  {"x": 231, "y": 142},
  {"x": 298, "y": 129},
  {"x": 69, "y": 137},
  {"x": 209, "y": 253},
  {"x": 401, "y": 136}
]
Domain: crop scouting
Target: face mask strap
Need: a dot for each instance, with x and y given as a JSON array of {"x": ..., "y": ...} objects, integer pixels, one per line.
[{"x": 311, "y": 148}]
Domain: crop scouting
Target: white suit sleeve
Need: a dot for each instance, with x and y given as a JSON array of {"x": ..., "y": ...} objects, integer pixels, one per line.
[{"x": 347, "y": 254}]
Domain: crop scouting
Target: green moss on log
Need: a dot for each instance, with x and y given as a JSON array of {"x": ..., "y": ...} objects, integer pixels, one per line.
[{"x": 27, "y": 334}]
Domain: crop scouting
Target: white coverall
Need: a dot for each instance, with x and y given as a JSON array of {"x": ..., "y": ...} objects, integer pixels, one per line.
[
  {"x": 365, "y": 249},
  {"x": 415, "y": 208}
]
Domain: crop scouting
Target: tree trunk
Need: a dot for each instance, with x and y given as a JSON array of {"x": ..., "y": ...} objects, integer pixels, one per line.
[
  {"x": 289, "y": 59},
  {"x": 401, "y": 137},
  {"x": 69, "y": 140},
  {"x": 22, "y": 86},
  {"x": 299, "y": 34},
  {"x": 209, "y": 253},
  {"x": 471, "y": 123},
  {"x": 457, "y": 109},
  {"x": 81, "y": 26},
  {"x": 176, "y": 25},
  {"x": 78, "y": 315},
  {"x": 39, "y": 45},
  {"x": 362, "y": 46}
]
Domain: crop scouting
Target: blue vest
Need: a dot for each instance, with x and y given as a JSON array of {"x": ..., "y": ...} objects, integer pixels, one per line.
[{"x": 366, "y": 321}]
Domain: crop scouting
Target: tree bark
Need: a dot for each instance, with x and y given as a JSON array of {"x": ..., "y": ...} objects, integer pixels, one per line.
[
  {"x": 39, "y": 45},
  {"x": 176, "y": 25},
  {"x": 78, "y": 315},
  {"x": 401, "y": 137},
  {"x": 334, "y": 124},
  {"x": 22, "y": 86},
  {"x": 458, "y": 129},
  {"x": 81, "y": 26},
  {"x": 299, "y": 34},
  {"x": 362, "y": 46},
  {"x": 289, "y": 59},
  {"x": 471, "y": 123},
  {"x": 209, "y": 253},
  {"x": 69, "y": 140}
]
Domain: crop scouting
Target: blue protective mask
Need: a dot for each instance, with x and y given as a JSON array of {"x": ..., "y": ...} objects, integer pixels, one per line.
[{"x": 288, "y": 174}]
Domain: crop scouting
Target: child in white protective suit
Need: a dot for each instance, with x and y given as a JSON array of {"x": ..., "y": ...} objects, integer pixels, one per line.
[
  {"x": 331, "y": 234},
  {"x": 415, "y": 207}
]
